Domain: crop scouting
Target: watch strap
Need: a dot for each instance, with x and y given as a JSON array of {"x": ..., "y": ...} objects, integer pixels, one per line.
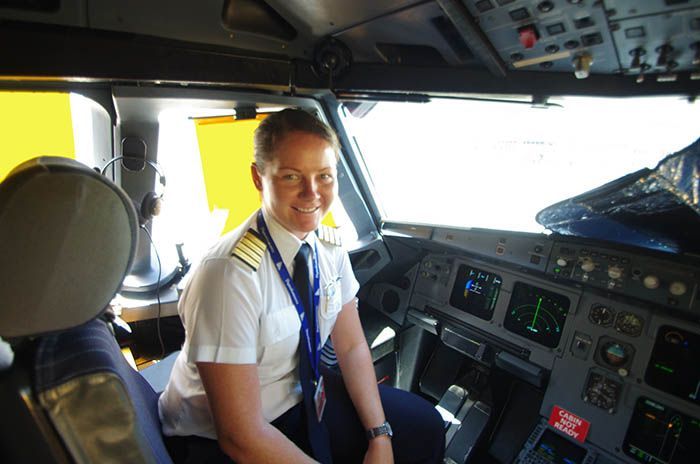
[{"x": 384, "y": 429}]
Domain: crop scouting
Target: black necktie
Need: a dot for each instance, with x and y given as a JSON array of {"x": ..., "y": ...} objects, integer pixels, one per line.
[{"x": 317, "y": 432}]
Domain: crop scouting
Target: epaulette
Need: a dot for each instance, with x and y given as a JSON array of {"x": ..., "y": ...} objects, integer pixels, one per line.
[
  {"x": 250, "y": 249},
  {"x": 329, "y": 235}
]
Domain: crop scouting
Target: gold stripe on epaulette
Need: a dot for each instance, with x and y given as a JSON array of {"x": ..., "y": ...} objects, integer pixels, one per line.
[
  {"x": 254, "y": 245},
  {"x": 329, "y": 235},
  {"x": 250, "y": 249},
  {"x": 256, "y": 238},
  {"x": 254, "y": 248}
]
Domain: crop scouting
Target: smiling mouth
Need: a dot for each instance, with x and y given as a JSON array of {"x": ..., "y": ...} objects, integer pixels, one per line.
[{"x": 306, "y": 210}]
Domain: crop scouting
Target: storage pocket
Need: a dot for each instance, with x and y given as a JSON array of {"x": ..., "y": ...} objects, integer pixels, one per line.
[{"x": 280, "y": 326}]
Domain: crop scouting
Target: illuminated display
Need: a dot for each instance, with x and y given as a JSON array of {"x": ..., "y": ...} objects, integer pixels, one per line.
[
  {"x": 673, "y": 366},
  {"x": 558, "y": 450},
  {"x": 537, "y": 314},
  {"x": 660, "y": 435},
  {"x": 475, "y": 291}
]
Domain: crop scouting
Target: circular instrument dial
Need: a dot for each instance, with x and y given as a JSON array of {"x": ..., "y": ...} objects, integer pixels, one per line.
[
  {"x": 629, "y": 324},
  {"x": 602, "y": 392},
  {"x": 601, "y": 315},
  {"x": 614, "y": 354}
]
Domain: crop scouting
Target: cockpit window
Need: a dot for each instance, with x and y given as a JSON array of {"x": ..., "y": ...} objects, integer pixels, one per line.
[
  {"x": 495, "y": 164},
  {"x": 48, "y": 124}
]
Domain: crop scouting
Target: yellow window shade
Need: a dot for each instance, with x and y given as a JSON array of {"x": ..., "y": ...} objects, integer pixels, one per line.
[
  {"x": 226, "y": 149},
  {"x": 34, "y": 124}
]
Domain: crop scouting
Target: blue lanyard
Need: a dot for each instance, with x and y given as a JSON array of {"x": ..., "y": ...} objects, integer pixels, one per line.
[{"x": 314, "y": 355}]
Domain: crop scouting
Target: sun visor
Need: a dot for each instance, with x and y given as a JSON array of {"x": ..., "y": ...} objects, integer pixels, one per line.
[
  {"x": 68, "y": 237},
  {"x": 653, "y": 208}
]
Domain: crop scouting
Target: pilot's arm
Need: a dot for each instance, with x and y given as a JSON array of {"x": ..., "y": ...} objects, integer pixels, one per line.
[
  {"x": 360, "y": 379},
  {"x": 233, "y": 392}
]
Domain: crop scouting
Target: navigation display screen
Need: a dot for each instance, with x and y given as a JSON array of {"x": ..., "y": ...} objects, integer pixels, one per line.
[
  {"x": 555, "y": 449},
  {"x": 660, "y": 435},
  {"x": 537, "y": 314},
  {"x": 674, "y": 366},
  {"x": 475, "y": 291}
]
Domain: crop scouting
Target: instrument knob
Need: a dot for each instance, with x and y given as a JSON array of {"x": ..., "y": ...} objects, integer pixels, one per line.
[
  {"x": 561, "y": 262},
  {"x": 651, "y": 282},
  {"x": 615, "y": 272},
  {"x": 587, "y": 265},
  {"x": 677, "y": 288}
]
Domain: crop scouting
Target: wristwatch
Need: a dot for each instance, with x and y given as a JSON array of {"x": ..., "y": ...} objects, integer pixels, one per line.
[{"x": 384, "y": 429}]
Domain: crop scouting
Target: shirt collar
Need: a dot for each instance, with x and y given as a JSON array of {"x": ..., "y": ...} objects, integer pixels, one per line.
[{"x": 287, "y": 243}]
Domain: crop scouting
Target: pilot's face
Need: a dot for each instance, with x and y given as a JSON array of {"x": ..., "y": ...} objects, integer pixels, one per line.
[{"x": 298, "y": 185}]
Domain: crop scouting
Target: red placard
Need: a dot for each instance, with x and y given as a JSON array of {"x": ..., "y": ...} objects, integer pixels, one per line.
[{"x": 569, "y": 423}]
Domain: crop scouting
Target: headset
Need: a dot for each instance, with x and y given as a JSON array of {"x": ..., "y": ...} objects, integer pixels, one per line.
[{"x": 152, "y": 202}]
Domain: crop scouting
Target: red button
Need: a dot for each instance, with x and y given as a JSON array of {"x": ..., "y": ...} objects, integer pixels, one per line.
[{"x": 527, "y": 36}]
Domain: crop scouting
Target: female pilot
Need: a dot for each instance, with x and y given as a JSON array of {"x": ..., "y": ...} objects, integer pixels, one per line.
[{"x": 248, "y": 385}]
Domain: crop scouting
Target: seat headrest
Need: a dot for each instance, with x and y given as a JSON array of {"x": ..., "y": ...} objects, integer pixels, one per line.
[{"x": 68, "y": 237}]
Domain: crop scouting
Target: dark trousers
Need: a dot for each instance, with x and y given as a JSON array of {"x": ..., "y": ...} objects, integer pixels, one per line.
[{"x": 419, "y": 436}]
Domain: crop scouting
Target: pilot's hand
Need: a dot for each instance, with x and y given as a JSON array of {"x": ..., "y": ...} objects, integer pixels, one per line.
[{"x": 379, "y": 451}]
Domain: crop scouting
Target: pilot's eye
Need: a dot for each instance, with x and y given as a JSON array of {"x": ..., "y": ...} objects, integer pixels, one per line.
[
  {"x": 290, "y": 177},
  {"x": 326, "y": 178}
]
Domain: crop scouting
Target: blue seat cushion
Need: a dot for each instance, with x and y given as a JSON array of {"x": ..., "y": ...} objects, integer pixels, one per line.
[{"x": 81, "y": 378}]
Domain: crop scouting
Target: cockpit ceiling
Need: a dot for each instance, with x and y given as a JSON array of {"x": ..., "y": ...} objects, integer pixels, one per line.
[{"x": 622, "y": 45}]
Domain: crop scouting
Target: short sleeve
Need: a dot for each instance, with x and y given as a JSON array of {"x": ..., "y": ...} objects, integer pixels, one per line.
[
  {"x": 349, "y": 285},
  {"x": 221, "y": 311}
]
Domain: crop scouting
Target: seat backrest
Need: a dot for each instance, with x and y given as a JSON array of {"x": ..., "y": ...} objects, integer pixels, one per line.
[{"x": 68, "y": 236}]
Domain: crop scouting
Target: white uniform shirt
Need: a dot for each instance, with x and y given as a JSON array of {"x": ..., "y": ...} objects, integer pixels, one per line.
[{"x": 233, "y": 314}]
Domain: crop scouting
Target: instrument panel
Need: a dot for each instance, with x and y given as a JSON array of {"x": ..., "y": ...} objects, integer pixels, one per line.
[{"x": 608, "y": 356}]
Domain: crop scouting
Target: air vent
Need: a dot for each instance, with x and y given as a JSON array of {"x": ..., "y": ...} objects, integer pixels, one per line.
[{"x": 420, "y": 55}]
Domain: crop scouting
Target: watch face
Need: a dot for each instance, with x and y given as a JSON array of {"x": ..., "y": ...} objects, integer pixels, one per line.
[{"x": 388, "y": 430}]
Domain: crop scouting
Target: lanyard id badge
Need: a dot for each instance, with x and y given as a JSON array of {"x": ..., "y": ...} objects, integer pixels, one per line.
[{"x": 320, "y": 398}]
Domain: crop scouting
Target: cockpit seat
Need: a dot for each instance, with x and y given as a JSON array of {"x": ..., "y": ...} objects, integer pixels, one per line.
[{"x": 68, "y": 238}]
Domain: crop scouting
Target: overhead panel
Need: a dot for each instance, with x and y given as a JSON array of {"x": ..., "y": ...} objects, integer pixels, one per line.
[
  {"x": 657, "y": 37},
  {"x": 546, "y": 35},
  {"x": 637, "y": 8}
]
